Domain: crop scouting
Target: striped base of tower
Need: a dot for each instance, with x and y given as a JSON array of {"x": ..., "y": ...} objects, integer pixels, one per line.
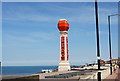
[{"x": 64, "y": 66}]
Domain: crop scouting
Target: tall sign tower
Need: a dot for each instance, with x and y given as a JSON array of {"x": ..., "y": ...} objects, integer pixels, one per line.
[{"x": 63, "y": 27}]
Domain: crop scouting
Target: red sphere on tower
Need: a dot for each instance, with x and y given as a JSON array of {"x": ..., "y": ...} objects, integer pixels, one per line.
[{"x": 63, "y": 25}]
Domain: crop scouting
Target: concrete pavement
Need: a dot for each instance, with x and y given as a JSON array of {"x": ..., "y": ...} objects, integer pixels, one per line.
[{"x": 115, "y": 75}]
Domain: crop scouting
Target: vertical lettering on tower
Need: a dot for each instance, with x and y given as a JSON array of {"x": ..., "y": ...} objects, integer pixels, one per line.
[
  {"x": 62, "y": 49},
  {"x": 67, "y": 47}
]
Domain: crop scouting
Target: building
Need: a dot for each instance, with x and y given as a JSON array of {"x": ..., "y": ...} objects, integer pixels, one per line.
[{"x": 115, "y": 61}]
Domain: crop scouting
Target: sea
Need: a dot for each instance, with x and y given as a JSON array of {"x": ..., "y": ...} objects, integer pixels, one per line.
[{"x": 24, "y": 70}]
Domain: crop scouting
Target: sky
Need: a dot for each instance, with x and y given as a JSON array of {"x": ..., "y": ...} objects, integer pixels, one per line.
[
  {"x": 119, "y": 30},
  {"x": 30, "y": 36},
  {"x": 59, "y": 0},
  {"x": 1, "y": 31}
]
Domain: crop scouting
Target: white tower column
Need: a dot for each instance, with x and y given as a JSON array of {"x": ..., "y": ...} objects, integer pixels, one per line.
[{"x": 64, "y": 63}]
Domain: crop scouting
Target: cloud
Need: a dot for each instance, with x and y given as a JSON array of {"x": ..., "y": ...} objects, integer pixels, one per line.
[
  {"x": 52, "y": 13},
  {"x": 30, "y": 62},
  {"x": 93, "y": 33},
  {"x": 43, "y": 35},
  {"x": 103, "y": 32},
  {"x": 21, "y": 38},
  {"x": 31, "y": 36}
]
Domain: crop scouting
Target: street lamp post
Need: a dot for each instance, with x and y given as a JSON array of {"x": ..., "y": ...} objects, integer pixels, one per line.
[
  {"x": 97, "y": 36},
  {"x": 110, "y": 42}
]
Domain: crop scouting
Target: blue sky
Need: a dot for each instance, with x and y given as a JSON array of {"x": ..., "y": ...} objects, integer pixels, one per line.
[
  {"x": 1, "y": 31},
  {"x": 31, "y": 37}
]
